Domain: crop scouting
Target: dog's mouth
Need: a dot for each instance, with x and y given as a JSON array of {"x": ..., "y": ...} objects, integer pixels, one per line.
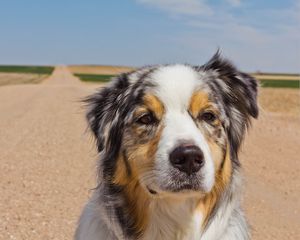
[
  {"x": 184, "y": 187},
  {"x": 178, "y": 189},
  {"x": 151, "y": 191},
  {"x": 176, "y": 183},
  {"x": 184, "y": 184}
]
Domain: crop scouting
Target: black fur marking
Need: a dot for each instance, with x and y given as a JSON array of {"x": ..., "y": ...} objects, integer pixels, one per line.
[
  {"x": 238, "y": 99},
  {"x": 126, "y": 223},
  {"x": 101, "y": 108}
]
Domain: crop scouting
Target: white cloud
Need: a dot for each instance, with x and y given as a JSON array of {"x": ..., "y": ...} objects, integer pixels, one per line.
[
  {"x": 180, "y": 7},
  {"x": 260, "y": 39}
]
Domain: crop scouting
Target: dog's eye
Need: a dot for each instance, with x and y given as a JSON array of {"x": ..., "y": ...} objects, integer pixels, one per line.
[
  {"x": 209, "y": 117},
  {"x": 146, "y": 119}
]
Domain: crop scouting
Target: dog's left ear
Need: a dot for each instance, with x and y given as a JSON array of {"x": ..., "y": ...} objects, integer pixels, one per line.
[
  {"x": 104, "y": 109},
  {"x": 238, "y": 92}
]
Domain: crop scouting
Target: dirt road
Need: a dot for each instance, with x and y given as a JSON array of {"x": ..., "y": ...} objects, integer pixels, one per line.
[{"x": 47, "y": 160}]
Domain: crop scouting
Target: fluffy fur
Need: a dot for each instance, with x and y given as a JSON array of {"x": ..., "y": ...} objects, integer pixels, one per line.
[{"x": 138, "y": 121}]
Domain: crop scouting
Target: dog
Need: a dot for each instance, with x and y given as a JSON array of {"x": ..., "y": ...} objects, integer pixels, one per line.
[{"x": 168, "y": 138}]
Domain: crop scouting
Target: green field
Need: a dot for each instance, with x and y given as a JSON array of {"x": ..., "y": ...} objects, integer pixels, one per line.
[
  {"x": 280, "y": 83},
  {"x": 94, "y": 77},
  {"x": 26, "y": 69}
]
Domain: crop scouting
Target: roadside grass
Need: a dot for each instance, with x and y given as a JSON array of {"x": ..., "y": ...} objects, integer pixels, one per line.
[
  {"x": 267, "y": 83},
  {"x": 16, "y": 74},
  {"x": 21, "y": 78},
  {"x": 94, "y": 77},
  {"x": 26, "y": 69}
]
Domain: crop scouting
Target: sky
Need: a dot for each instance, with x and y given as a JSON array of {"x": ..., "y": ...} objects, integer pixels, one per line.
[{"x": 256, "y": 35}]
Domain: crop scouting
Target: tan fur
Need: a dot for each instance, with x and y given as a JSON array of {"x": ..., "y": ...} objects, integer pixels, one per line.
[
  {"x": 198, "y": 102},
  {"x": 155, "y": 105},
  {"x": 222, "y": 179},
  {"x": 137, "y": 199},
  {"x": 140, "y": 159},
  {"x": 135, "y": 196},
  {"x": 139, "y": 152}
]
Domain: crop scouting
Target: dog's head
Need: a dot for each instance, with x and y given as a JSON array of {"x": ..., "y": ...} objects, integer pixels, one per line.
[{"x": 172, "y": 128}]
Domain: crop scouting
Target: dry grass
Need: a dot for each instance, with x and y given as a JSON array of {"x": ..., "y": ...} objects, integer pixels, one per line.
[
  {"x": 280, "y": 100},
  {"x": 105, "y": 70},
  {"x": 20, "y": 78},
  {"x": 276, "y": 77}
]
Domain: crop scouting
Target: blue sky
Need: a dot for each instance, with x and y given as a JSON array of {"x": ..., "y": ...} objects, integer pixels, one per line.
[{"x": 255, "y": 34}]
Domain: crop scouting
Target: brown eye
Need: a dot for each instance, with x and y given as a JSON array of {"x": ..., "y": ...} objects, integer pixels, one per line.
[
  {"x": 208, "y": 117},
  {"x": 146, "y": 119}
]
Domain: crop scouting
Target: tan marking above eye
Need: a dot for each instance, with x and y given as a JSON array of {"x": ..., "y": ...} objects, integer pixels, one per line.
[
  {"x": 198, "y": 102},
  {"x": 150, "y": 104},
  {"x": 155, "y": 105},
  {"x": 201, "y": 104}
]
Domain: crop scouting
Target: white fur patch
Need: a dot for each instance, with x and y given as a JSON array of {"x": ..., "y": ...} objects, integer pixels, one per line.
[
  {"x": 175, "y": 87},
  {"x": 174, "y": 219}
]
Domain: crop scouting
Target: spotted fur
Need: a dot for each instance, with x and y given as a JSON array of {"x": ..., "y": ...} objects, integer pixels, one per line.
[{"x": 137, "y": 121}]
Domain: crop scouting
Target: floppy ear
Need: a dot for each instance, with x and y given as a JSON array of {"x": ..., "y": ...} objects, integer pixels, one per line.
[
  {"x": 107, "y": 115},
  {"x": 103, "y": 109},
  {"x": 238, "y": 92}
]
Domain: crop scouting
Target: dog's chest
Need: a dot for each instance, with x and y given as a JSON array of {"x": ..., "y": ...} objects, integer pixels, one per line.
[{"x": 174, "y": 222}]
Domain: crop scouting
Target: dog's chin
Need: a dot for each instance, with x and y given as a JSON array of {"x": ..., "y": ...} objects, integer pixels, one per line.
[
  {"x": 176, "y": 189},
  {"x": 182, "y": 192},
  {"x": 177, "y": 184},
  {"x": 186, "y": 188}
]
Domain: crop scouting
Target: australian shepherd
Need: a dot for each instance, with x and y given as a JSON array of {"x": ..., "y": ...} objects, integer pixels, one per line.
[{"x": 168, "y": 138}]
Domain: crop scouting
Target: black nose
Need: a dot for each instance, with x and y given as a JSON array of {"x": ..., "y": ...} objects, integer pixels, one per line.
[{"x": 188, "y": 159}]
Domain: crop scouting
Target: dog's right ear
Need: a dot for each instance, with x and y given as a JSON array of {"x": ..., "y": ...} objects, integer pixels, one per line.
[{"x": 103, "y": 107}]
